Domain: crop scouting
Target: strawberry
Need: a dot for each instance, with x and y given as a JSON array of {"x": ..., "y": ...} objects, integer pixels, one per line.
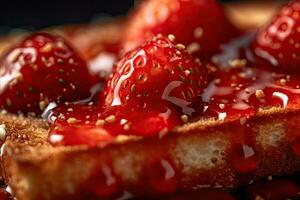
[
  {"x": 277, "y": 43},
  {"x": 155, "y": 73},
  {"x": 156, "y": 86},
  {"x": 201, "y": 25},
  {"x": 158, "y": 77},
  {"x": 41, "y": 69}
]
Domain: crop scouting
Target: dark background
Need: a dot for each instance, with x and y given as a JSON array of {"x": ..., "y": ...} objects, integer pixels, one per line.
[{"x": 36, "y": 14}]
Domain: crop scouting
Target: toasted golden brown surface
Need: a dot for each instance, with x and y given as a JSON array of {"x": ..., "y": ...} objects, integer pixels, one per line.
[{"x": 199, "y": 155}]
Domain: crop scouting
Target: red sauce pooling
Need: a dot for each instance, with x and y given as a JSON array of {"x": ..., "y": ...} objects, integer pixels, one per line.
[
  {"x": 161, "y": 176},
  {"x": 243, "y": 158},
  {"x": 103, "y": 182},
  {"x": 231, "y": 94},
  {"x": 242, "y": 92}
]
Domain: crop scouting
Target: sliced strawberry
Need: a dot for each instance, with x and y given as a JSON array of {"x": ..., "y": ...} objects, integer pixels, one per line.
[
  {"x": 277, "y": 44},
  {"x": 152, "y": 89},
  {"x": 201, "y": 25},
  {"x": 41, "y": 69}
]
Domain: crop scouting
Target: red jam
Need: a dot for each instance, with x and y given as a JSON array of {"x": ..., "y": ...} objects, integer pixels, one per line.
[
  {"x": 231, "y": 94},
  {"x": 242, "y": 92},
  {"x": 234, "y": 94},
  {"x": 243, "y": 158},
  {"x": 161, "y": 176},
  {"x": 103, "y": 182},
  {"x": 234, "y": 91},
  {"x": 296, "y": 147}
]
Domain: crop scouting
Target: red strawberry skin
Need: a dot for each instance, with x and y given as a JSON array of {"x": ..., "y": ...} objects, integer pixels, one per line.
[
  {"x": 41, "y": 69},
  {"x": 277, "y": 43},
  {"x": 200, "y": 25},
  {"x": 155, "y": 73},
  {"x": 155, "y": 84}
]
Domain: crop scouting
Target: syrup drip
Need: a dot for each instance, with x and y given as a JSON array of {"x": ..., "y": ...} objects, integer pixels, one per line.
[
  {"x": 103, "y": 182},
  {"x": 237, "y": 94},
  {"x": 296, "y": 147},
  {"x": 162, "y": 176},
  {"x": 244, "y": 158},
  {"x": 231, "y": 94}
]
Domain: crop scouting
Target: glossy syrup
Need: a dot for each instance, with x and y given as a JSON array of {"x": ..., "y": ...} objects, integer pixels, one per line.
[
  {"x": 103, "y": 182},
  {"x": 231, "y": 94},
  {"x": 235, "y": 94},
  {"x": 161, "y": 176}
]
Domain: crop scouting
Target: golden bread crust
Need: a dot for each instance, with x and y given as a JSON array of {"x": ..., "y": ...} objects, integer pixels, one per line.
[{"x": 201, "y": 155}]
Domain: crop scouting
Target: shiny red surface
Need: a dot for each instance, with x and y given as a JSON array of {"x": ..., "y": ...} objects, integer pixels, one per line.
[
  {"x": 134, "y": 103},
  {"x": 201, "y": 26},
  {"x": 43, "y": 68},
  {"x": 153, "y": 86},
  {"x": 277, "y": 43}
]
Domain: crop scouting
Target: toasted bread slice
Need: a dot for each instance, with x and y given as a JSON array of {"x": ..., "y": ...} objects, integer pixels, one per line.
[{"x": 197, "y": 155}]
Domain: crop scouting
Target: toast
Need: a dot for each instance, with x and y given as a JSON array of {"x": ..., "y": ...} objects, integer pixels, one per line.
[
  {"x": 197, "y": 155},
  {"x": 200, "y": 153}
]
